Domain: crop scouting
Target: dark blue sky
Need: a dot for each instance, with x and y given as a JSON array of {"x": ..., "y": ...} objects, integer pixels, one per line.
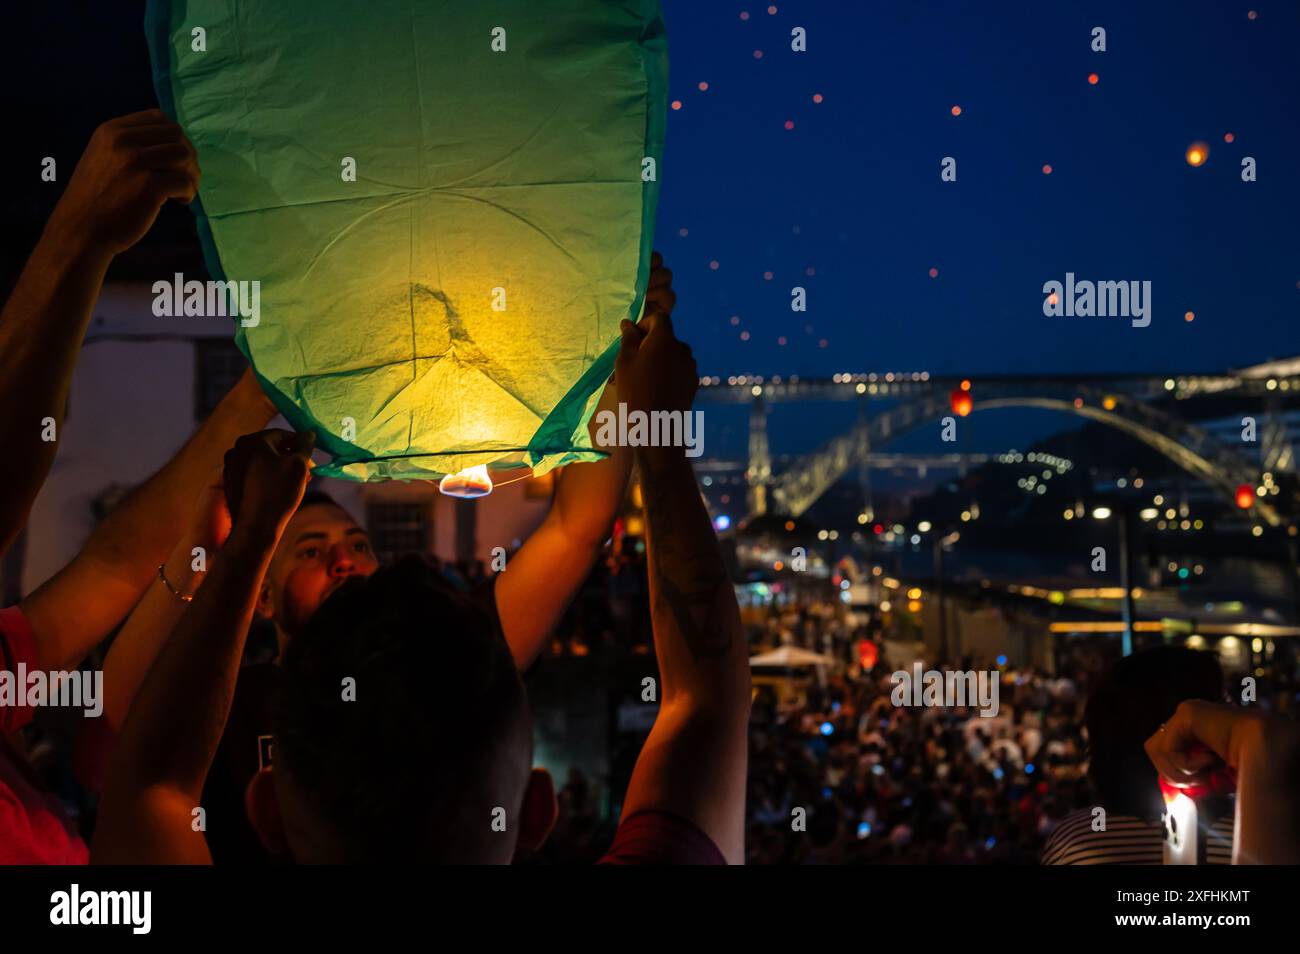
[{"x": 859, "y": 176}]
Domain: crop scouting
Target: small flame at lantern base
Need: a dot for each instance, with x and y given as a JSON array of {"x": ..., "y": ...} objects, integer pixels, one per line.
[{"x": 468, "y": 483}]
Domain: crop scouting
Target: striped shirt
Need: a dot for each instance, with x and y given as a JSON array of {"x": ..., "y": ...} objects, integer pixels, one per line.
[{"x": 1127, "y": 840}]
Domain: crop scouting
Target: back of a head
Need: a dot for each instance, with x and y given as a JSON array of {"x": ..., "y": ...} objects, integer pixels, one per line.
[
  {"x": 436, "y": 739},
  {"x": 1130, "y": 702}
]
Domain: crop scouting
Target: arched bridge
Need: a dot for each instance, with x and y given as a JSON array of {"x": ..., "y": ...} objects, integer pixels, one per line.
[{"x": 1139, "y": 406}]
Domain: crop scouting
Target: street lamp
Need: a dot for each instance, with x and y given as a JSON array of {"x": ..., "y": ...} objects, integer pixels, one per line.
[{"x": 1104, "y": 513}]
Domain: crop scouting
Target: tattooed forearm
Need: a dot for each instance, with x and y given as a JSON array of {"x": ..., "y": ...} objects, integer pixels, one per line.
[{"x": 687, "y": 572}]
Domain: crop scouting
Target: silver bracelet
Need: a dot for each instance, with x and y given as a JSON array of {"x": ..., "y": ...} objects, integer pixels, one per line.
[{"x": 162, "y": 575}]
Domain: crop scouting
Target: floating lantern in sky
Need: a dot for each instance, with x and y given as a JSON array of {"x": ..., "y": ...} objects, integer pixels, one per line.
[
  {"x": 961, "y": 402},
  {"x": 1245, "y": 496},
  {"x": 1047, "y": 169},
  {"x": 1190, "y": 316},
  {"x": 1093, "y": 79},
  {"x": 444, "y": 248},
  {"x": 1228, "y": 137},
  {"x": 817, "y": 97},
  {"x": 956, "y": 110},
  {"x": 934, "y": 273},
  {"x": 1197, "y": 153}
]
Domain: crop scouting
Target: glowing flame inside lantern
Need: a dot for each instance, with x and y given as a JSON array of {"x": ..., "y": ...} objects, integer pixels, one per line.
[
  {"x": 471, "y": 482},
  {"x": 961, "y": 402},
  {"x": 1197, "y": 153},
  {"x": 1245, "y": 497}
]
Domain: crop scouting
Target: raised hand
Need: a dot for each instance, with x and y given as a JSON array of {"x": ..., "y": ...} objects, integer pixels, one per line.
[
  {"x": 265, "y": 476},
  {"x": 132, "y": 165}
]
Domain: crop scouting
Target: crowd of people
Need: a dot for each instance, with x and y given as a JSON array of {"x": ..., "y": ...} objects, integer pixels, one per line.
[{"x": 883, "y": 784}]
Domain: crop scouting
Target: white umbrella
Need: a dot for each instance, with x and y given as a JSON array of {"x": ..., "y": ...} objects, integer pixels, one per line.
[{"x": 791, "y": 657}]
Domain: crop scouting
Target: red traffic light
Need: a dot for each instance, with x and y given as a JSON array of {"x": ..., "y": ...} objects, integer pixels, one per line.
[
  {"x": 1245, "y": 497},
  {"x": 961, "y": 402}
]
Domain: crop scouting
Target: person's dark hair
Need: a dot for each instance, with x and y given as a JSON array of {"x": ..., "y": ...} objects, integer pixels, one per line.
[
  {"x": 1129, "y": 703},
  {"x": 313, "y": 497},
  {"x": 438, "y": 735}
]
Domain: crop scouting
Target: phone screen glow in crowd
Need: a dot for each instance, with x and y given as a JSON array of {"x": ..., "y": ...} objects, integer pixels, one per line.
[{"x": 1180, "y": 828}]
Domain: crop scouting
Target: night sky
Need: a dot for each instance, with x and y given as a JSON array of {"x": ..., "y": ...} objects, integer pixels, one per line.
[{"x": 852, "y": 191}]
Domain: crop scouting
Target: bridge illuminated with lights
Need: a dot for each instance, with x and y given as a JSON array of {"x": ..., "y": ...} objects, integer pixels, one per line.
[{"x": 1160, "y": 411}]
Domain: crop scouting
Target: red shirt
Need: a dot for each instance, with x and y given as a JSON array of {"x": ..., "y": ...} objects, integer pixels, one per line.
[
  {"x": 654, "y": 837},
  {"x": 34, "y": 829}
]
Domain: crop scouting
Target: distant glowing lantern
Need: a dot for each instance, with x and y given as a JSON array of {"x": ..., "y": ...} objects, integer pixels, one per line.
[
  {"x": 1093, "y": 78},
  {"x": 1245, "y": 496},
  {"x": 1197, "y": 153},
  {"x": 956, "y": 110},
  {"x": 868, "y": 653},
  {"x": 961, "y": 402}
]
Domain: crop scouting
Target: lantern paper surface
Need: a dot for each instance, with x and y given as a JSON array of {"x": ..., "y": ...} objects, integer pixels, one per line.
[{"x": 458, "y": 303}]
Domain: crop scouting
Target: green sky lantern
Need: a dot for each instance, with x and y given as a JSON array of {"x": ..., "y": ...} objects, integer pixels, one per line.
[{"x": 448, "y": 205}]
